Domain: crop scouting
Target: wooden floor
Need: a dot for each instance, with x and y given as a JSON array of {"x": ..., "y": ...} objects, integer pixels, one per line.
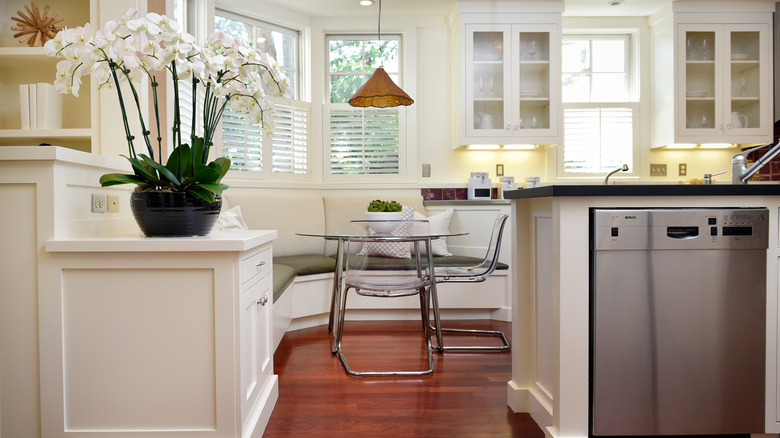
[{"x": 465, "y": 397}]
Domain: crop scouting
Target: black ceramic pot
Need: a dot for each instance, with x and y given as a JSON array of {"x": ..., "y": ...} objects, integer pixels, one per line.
[{"x": 173, "y": 213}]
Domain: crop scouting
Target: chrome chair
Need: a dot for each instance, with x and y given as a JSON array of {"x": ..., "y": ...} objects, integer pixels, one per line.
[
  {"x": 383, "y": 276},
  {"x": 472, "y": 274}
]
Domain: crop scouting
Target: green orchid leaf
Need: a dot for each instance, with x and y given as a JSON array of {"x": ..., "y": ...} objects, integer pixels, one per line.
[
  {"x": 145, "y": 171},
  {"x": 216, "y": 189},
  {"x": 200, "y": 192},
  {"x": 164, "y": 172},
  {"x": 197, "y": 151},
  {"x": 204, "y": 175},
  {"x": 224, "y": 166},
  {"x": 181, "y": 156},
  {"x": 113, "y": 179}
]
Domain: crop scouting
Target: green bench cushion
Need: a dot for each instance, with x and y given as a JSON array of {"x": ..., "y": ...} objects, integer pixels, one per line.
[
  {"x": 288, "y": 267},
  {"x": 308, "y": 264},
  {"x": 283, "y": 276}
]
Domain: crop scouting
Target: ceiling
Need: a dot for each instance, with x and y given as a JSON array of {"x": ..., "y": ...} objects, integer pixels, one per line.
[{"x": 347, "y": 8}]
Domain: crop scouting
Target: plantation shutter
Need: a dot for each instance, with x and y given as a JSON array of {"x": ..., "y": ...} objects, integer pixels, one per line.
[
  {"x": 597, "y": 139},
  {"x": 364, "y": 141},
  {"x": 185, "y": 108},
  {"x": 241, "y": 142},
  {"x": 290, "y": 143}
]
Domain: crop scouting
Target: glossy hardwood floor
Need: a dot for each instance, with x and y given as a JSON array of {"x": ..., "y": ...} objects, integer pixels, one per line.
[{"x": 465, "y": 397}]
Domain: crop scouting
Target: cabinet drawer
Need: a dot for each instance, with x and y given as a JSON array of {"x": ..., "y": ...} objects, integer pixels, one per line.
[{"x": 254, "y": 265}]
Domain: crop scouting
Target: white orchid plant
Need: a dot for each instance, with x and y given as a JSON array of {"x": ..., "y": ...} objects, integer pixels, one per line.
[{"x": 139, "y": 48}]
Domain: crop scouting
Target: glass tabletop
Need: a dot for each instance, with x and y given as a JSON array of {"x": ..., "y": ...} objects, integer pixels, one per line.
[
  {"x": 386, "y": 230},
  {"x": 380, "y": 236}
]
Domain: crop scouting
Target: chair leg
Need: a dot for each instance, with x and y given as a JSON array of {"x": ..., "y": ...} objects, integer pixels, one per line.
[
  {"x": 336, "y": 283},
  {"x": 505, "y": 345},
  {"x": 340, "y": 330}
]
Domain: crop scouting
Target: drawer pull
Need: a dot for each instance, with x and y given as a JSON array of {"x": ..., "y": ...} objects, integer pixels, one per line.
[
  {"x": 260, "y": 265},
  {"x": 263, "y": 301}
]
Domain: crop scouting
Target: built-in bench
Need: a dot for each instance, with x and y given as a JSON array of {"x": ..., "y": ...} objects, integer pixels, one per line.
[{"x": 303, "y": 266}]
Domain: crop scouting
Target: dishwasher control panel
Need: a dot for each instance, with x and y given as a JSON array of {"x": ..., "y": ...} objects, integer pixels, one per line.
[{"x": 677, "y": 228}]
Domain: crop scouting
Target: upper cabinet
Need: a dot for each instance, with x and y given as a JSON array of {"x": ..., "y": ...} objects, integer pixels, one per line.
[
  {"x": 722, "y": 75},
  {"x": 510, "y": 71}
]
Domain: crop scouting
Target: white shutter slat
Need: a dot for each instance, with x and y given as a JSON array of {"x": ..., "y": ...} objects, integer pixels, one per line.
[
  {"x": 596, "y": 138},
  {"x": 364, "y": 141},
  {"x": 290, "y": 140}
]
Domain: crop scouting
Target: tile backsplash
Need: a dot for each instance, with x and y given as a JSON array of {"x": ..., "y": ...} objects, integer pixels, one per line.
[{"x": 451, "y": 194}]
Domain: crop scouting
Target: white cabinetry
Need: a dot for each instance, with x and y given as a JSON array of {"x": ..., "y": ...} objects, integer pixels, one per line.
[
  {"x": 510, "y": 70},
  {"x": 723, "y": 71},
  {"x": 157, "y": 336}
]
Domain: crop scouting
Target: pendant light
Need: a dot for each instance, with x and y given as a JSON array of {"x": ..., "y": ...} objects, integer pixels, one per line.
[{"x": 380, "y": 91}]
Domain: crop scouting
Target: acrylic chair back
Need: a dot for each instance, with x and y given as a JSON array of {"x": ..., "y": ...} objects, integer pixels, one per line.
[{"x": 478, "y": 272}]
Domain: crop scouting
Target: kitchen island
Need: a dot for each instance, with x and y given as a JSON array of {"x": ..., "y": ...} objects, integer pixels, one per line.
[{"x": 550, "y": 331}]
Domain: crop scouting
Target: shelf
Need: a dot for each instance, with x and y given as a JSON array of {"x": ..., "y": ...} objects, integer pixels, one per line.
[
  {"x": 75, "y": 134},
  {"x": 493, "y": 62},
  {"x": 488, "y": 99}
]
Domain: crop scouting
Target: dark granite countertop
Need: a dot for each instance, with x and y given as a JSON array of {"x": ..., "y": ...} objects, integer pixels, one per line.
[{"x": 646, "y": 190}]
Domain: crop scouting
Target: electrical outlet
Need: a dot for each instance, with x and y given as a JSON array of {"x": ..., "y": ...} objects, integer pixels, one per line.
[
  {"x": 426, "y": 170},
  {"x": 112, "y": 204},
  {"x": 658, "y": 170},
  {"x": 682, "y": 169},
  {"x": 98, "y": 203},
  {"x": 499, "y": 170}
]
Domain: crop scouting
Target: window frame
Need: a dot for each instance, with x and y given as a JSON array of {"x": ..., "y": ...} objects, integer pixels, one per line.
[
  {"x": 267, "y": 170},
  {"x": 328, "y": 108},
  {"x": 632, "y": 66}
]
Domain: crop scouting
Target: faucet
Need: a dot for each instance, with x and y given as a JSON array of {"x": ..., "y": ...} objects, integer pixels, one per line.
[
  {"x": 624, "y": 168},
  {"x": 740, "y": 173}
]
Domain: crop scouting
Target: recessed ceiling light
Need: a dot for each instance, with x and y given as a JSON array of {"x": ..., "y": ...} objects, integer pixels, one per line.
[
  {"x": 615, "y": 2},
  {"x": 366, "y": 2}
]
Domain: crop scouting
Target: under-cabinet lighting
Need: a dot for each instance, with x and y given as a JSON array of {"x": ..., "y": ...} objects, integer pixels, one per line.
[
  {"x": 366, "y": 2},
  {"x": 716, "y": 145},
  {"x": 520, "y": 147},
  {"x": 681, "y": 146},
  {"x": 482, "y": 147}
]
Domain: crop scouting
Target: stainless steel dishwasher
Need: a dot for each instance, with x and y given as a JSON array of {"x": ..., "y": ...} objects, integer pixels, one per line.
[{"x": 678, "y": 310}]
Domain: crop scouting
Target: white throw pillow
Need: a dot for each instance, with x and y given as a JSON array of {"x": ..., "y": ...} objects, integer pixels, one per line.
[
  {"x": 398, "y": 250},
  {"x": 439, "y": 224},
  {"x": 231, "y": 220}
]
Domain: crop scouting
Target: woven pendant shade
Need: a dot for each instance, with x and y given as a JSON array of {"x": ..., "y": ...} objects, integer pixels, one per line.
[{"x": 380, "y": 91}]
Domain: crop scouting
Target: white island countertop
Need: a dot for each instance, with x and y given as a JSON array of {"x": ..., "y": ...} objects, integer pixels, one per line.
[{"x": 216, "y": 241}]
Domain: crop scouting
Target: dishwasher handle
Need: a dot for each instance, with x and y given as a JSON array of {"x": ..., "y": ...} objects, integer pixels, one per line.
[{"x": 682, "y": 232}]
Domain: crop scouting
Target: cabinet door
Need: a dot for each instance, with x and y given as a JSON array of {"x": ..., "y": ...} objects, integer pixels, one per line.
[
  {"x": 487, "y": 62},
  {"x": 725, "y": 84},
  {"x": 746, "y": 96},
  {"x": 255, "y": 342},
  {"x": 536, "y": 85},
  {"x": 700, "y": 80}
]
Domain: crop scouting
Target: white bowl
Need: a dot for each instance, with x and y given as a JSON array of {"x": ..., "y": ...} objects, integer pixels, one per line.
[{"x": 383, "y": 227}]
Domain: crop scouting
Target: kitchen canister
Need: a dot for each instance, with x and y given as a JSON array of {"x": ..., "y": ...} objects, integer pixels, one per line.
[
  {"x": 479, "y": 186},
  {"x": 507, "y": 183}
]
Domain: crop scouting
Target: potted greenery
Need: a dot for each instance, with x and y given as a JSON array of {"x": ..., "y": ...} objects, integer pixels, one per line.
[
  {"x": 227, "y": 71},
  {"x": 379, "y": 210}
]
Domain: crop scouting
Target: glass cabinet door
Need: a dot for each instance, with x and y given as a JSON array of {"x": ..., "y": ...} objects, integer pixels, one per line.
[
  {"x": 701, "y": 89},
  {"x": 724, "y": 84},
  {"x": 533, "y": 96},
  {"x": 487, "y": 65},
  {"x": 744, "y": 81}
]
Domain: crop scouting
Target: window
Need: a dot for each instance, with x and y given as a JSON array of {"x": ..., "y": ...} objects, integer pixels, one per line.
[
  {"x": 600, "y": 110},
  {"x": 285, "y": 150},
  {"x": 363, "y": 141}
]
